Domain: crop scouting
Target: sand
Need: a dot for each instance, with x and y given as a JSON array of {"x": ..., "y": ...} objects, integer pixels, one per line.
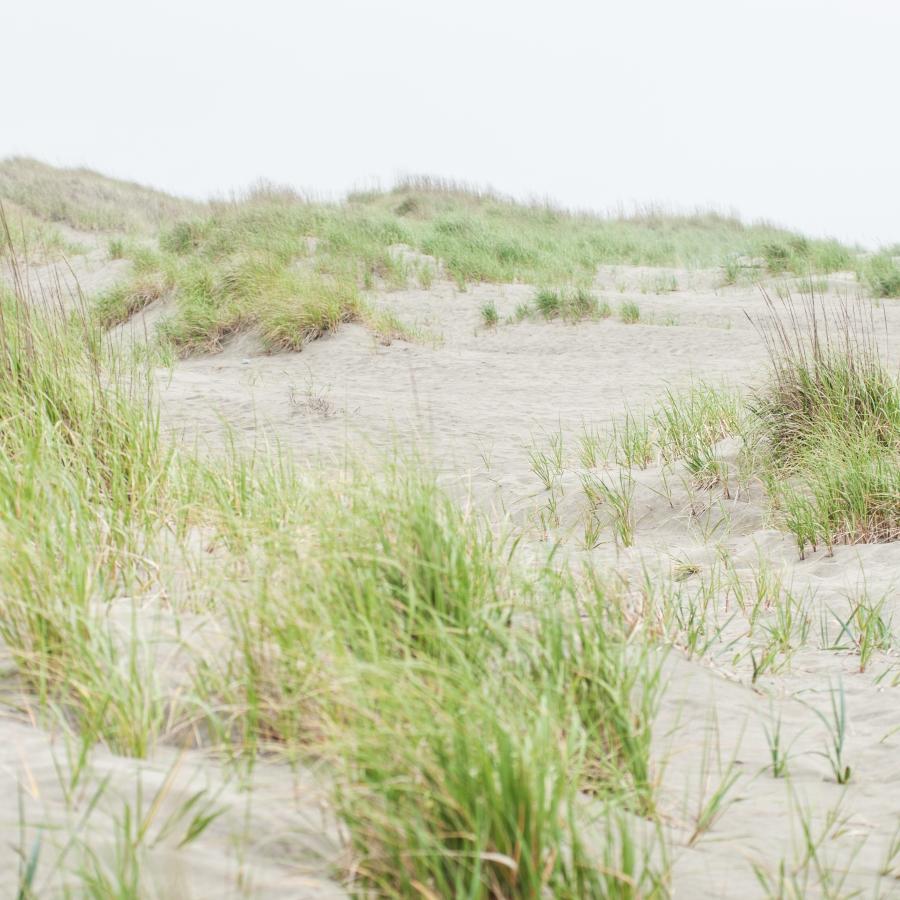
[{"x": 473, "y": 400}]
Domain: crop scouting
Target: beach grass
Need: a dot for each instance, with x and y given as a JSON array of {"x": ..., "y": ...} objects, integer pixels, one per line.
[{"x": 475, "y": 725}]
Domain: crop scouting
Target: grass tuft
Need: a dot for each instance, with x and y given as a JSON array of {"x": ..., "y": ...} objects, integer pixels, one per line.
[
  {"x": 630, "y": 312},
  {"x": 882, "y": 275},
  {"x": 489, "y": 315},
  {"x": 830, "y": 415}
]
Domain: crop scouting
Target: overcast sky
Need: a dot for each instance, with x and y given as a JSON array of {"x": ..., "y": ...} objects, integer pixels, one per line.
[{"x": 781, "y": 109}]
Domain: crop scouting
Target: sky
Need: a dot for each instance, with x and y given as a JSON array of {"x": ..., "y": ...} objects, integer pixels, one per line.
[{"x": 786, "y": 110}]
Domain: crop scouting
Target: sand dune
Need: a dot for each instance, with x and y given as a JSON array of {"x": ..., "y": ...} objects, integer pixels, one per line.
[{"x": 473, "y": 400}]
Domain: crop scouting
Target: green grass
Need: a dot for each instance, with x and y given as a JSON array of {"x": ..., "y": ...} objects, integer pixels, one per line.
[
  {"x": 221, "y": 261},
  {"x": 118, "y": 304},
  {"x": 570, "y": 304},
  {"x": 489, "y": 314},
  {"x": 248, "y": 267},
  {"x": 29, "y": 236},
  {"x": 690, "y": 425},
  {"x": 582, "y": 655},
  {"x": 463, "y": 746},
  {"x": 494, "y": 796},
  {"x": 799, "y": 255},
  {"x": 479, "y": 805},
  {"x": 630, "y": 312},
  {"x": 482, "y": 236},
  {"x": 830, "y": 417},
  {"x": 881, "y": 274},
  {"x": 822, "y": 434},
  {"x": 731, "y": 270},
  {"x": 82, "y": 479},
  {"x": 484, "y": 729},
  {"x": 87, "y": 200},
  {"x": 661, "y": 284}
]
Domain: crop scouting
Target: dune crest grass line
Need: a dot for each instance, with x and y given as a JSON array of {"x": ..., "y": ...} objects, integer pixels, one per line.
[
  {"x": 295, "y": 267},
  {"x": 296, "y": 270}
]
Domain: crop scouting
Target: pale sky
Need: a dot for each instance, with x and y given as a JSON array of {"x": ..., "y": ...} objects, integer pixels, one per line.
[{"x": 781, "y": 109}]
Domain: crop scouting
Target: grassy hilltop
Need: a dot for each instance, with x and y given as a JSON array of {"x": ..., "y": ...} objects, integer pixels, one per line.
[{"x": 295, "y": 268}]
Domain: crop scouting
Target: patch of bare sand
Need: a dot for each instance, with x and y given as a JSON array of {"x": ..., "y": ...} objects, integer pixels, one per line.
[{"x": 475, "y": 390}]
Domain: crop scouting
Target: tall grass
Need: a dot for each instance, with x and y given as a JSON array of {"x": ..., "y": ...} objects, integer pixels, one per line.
[
  {"x": 85, "y": 199},
  {"x": 292, "y": 267},
  {"x": 881, "y": 273},
  {"x": 484, "y": 236},
  {"x": 489, "y": 801},
  {"x": 30, "y": 236},
  {"x": 608, "y": 678},
  {"x": 468, "y": 713},
  {"x": 831, "y": 418},
  {"x": 248, "y": 267},
  {"x": 475, "y": 801},
  {"x": 482, "y": 730},
  {"x": 83, "y": 477},
  {"x": 690, "y": 425}
]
